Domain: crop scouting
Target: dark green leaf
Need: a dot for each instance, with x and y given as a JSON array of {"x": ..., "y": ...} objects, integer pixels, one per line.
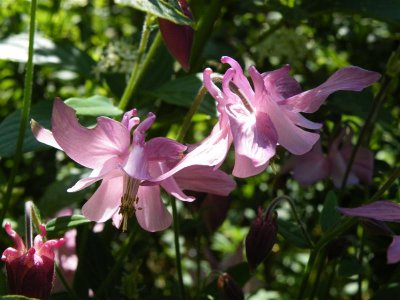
[
  {"x": 9, "y": 128},
  {"x": 292, "y": 233},
  {"x": 63, "y": 56},
  {"x": 62, "y": 224},
  {"x": 56, "y": 196},
  {"x": 15, "y": 297},
  {"x": 159, "y": 8},
  {"x": 329, "y": 214},
  {"x": 349, "y": 267},
  {"x": 182, "y": 91},
  {"x": 390, "y": 292},
  {"x": 94, "y": 106}
]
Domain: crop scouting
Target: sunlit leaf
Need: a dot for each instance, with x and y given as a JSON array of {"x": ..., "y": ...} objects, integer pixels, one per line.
[
  {"x": 94, "y": 106},
  {"x": 62, "y": 224}
]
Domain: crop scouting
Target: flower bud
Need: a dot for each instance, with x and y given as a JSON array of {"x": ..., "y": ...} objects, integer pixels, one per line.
[
  {"x": 230, "y": 288},
  {"x": 30, "y": 272},
  {"x": 178, "y": 38},
  {"x": 261, "y": 238}
]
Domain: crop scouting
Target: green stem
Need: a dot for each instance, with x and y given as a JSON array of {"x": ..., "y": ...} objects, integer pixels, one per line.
[
  {"x": 28, "y": 224},
  {"x": 360, "y": 260},
  {"x": 321, "y": 266},
  {"x": 177, "y": 249},
  {"x": 296, "y": 216},
  {"x": 133, "y": 78},
  {"x": 126, "y": 248},
  {"x": 340, "y": 229},
  {"x": 24, "y": 114},
  {"x": 188, "y": 118}
]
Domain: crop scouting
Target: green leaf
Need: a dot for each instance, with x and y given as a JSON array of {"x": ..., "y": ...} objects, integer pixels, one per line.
[
  {"x": 349, "y": 267},
  {"x": 94, "y": 106},
  {"x": 62, "y": 224},
  {"x": 292, "y": 233},
  {"x": 56, "y": 196},
  {"x": 159, "y": 8},
  {"x": 182, "y": 91},
  {"x": 9, "y": 128},
  {"x": 329, "y": 214},
  {"x": 63, "y": 56}
]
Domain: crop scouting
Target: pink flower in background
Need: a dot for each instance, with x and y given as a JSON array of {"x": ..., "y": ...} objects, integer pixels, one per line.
[
  {"x": 315, "y": 165},
  {"x": 126, "y": 163},
  {"x": 30, "y": 272},
  {"x": 257, "y": 118},
  {"x": 178, "y": 38},
  {"x": 380, "y": 211}
]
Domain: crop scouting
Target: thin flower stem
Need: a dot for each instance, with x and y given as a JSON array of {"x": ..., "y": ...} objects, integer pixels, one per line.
[
  {"x": 360, "y": 260},
  {"x": 138, "y": 62},
  {"x": 71, "y": 292},
  {"x": 177, "y": 249},
  {"x": 126, "y": 248},
  {"x": 321, "y": 266},
  {"x": 24, "y": 114},
  {"x": 188, "y": 118},
  {"x": 340, "y": 229},
  {"x": 296, "y": 216}
]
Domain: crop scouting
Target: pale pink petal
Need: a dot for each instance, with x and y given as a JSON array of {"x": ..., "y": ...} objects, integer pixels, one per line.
[
  {"x": 211, "y": 152},
  {"x": 210, "y": 86},
  {"x": 89, "y": 147},
  {"x": 105, "y": 201},
  {"x": 244, "y": 166},
  {"x": 291, "y": 137},
  {"x": 43, "y": 135},
  {"x": 110, "y": 169},
  {"x": 137, "y": 165},
  {"x": 300, "y": 120},
  {"x": 171, "y": 187},
  {"x": 283, "y": 84},
  {"x": 151, "y": 213},
  {"x": 346, "y": 79},
  {"x": 310, "y": 167},
  {"x": 205, "y": 179},
  {"x": 393, "y": 252},
  {"x": 380, "y": 210},
  {"x": 254, "y": 137},
  {"x": 239, "y": 79},
  {"x": 164, "y": 149}
]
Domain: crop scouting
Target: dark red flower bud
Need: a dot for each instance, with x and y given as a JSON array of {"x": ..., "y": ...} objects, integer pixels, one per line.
[
  {"x": 30, "y": 272},
  {"x": 231, "y": 290},
  {"x": 178, "y": 38},
  {"x": 261, "y": 238}
]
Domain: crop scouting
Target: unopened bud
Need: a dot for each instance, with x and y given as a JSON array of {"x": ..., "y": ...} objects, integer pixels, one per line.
[
  {"x": 178, "y": 38},
  {"x": 261, "y": 238},
  {"x": 231, "y": 290},
  {"x": 30, "y": 272}
]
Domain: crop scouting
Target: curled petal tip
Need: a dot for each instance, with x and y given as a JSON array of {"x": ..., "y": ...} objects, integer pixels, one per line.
[
  {"x": 208, "y": 70},
  {"x": 42, "y": 229},
  {"x": 224, "y": 59}
]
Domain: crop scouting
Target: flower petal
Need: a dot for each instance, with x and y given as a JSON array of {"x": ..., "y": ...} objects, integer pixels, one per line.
[
  {"x": 254, "y": 137},
  {"x": 346, "y": 79},
  {"x": 151, "y": 213},
  {"x": 205, "y": 179},
  {"x": 105, "y": 201},
  {"x": 88, "y": 147},
  {"x": 282, "y": 83},
  {"x": 161, "y": 149},
  {"x": 43, "y": 135},
  {"x": 300, "y": 120},
  {"x": 393, "y": 252},
  {"x": 380, "y": 210},
  {"x": 291, "y": 137}
]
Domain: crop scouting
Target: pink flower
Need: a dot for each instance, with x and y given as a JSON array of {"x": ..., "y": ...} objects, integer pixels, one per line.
[
  {"x": 125, "y": 163},
  {"x": 314, "y": 165},
  {"x": 380, "y": 211},
  {"x": 257, "y": 118},
  {"x": 30, "y": 272},
  {"x": 178, "y": 38}
]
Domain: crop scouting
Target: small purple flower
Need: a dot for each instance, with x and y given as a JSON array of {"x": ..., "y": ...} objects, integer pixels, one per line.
[
  {"x": 380, "y": 211},
  {"x": 30, "y": 272}
]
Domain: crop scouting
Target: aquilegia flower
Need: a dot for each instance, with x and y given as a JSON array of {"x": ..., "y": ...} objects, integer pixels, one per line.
[
  {"x": 315, "y": 165},
  {"x": 30, "y": 272},
  {"x": 126, "y": 163},
  {"x": 257, "y": 118},
  {"x": 386, "y": 211}
]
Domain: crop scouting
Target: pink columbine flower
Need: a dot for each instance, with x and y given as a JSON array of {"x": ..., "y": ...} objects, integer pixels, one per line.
[
  {"x": 315, "y": 165},
  {"x": 383, "y": 210},
  {"x": 178, "y": 38},
  {"x": 30, "y": 272},
  {"x": 126, "y": 163}
]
